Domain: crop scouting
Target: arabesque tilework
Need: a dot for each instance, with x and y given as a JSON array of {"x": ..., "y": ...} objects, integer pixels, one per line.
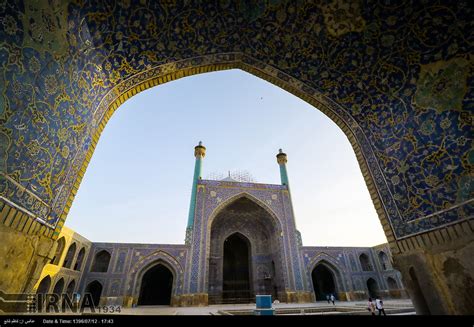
[{"x": 397, "y": 76}]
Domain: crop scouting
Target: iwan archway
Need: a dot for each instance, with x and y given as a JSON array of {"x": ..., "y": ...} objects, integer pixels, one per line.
[
  {"x": 324, "y": 282},
  {"x": 397, "y": 82},
  {"x": 156, "y": 286},
  {"x": 237, "y": 265},
  {"x": 245, "y": 252}
]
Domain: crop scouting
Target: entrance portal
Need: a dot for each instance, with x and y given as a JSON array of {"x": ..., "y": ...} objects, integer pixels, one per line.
[
  {"x": 157, "y": 285},
  {"x": 95, "y": 290},
  {"x": 323, "y": 282},
  {"x": 236, "y": 283},
  {"x": 372, "y": 287}
]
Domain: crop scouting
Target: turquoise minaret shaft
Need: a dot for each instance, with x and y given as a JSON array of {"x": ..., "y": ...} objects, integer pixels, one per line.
[
  {"x": 282, "y": 160},
  {"x": 199, "y": 153}
]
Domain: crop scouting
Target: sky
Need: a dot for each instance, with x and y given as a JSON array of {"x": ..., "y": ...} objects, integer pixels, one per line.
[{"x": 137, "y": 186}]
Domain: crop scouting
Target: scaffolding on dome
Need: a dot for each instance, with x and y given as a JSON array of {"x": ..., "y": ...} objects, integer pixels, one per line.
[{"x": 243, "y": 176}]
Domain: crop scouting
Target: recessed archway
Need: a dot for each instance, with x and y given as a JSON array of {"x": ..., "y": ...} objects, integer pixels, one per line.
[
  {"x": 71, "y": 252},
  {"x": 417, "y": 124},
  {"x": 365, "y": 262},
  {"x": 80, "y": 258},
  {"x": 237, "y": 267},
  {"x": 70, "y": 288},
  {"x": 59, "y": 251},
  {"x": 59, "y": 287},
  {"x": 94, "y": 288},
  {"x": 324, "y": 283},
  {"x": 392, "y": 283},
  {"x": 156, "y": 286},
  {"x": 372, "y": 288},
  {"x": 101, "y": 261},
  {"x": 384, "y": 261},
  {"x": 44, "y": 285},
  {"x": 242, "y": 228}
]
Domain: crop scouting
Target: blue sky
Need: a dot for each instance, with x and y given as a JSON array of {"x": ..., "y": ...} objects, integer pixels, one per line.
[{"x": 138, "y": 183}]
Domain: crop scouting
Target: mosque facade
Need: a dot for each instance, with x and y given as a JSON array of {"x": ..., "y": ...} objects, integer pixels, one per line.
[{"x": 241, "y": 241}]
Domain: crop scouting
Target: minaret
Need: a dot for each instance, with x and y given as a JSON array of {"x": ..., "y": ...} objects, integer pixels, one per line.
[
  {"x": 199, "y": 153},
  {"x": 282, "y": 160}
]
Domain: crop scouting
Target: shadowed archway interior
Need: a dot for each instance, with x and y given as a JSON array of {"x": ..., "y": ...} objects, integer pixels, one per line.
[
  {"x": 95, "y": 290},
  {"x": 372, "y": 287},
  {"x": 58, "y": 288},
  {"x": 70, "y": 288},
  {"x": 236, "y": 283},
  {"x": 323, "y": 282},
  {"x": 156, "y": 287},
  {"x": 44, "y": 286}
]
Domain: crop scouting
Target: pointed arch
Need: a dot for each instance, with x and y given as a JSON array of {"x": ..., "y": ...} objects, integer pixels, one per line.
[
  {"x": 59, "y": 287},
  {"x": 80, "y": 259},
  {"x": 59, "y": 251},
  {"x": 268, "y": 239},
  {"x": 70, "y": 256},
  {"x": 392, "y": 283},
  {"x": 222, "y": 206},
  {"x": 44, "y": 285},
  {"x": 94, "y": 288},
  {"x": 372, "y": 287},
  {"x": 70, "y": 288},
  {"x": 159, "y": 257},
  {"x": 333, "y": 266},
  {"x": 160, "y": 74},
  {"x": 237, "y": 267},
  {"x": 101, "y": 261},
  {"x": 156, "y": 285},
  {"x": 384, "y": 260},
  {"x": 365, "y": 262}
]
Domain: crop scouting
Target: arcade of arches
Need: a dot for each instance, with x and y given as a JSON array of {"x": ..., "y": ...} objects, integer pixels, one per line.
[{"x": 396, "y": 77}]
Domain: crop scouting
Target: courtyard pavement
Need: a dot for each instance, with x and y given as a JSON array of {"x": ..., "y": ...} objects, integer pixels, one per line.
[{"x": 215, "y": 309}]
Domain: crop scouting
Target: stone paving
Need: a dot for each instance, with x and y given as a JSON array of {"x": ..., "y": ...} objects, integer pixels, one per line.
[{"x": 215, "y": 309}]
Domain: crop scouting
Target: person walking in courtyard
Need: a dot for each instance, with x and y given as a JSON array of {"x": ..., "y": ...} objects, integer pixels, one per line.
[
  {"x": 333, "y": 298},
  {"x": 371, "y": 306},
  {"x": 327, "y": 297},
  {"x": 379, "y": 306}
]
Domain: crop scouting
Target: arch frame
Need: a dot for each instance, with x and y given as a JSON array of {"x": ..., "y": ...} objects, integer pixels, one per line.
[
  {"x": 40, "y": 281},
  {"x": 371, "y": 170},
  {"x": 337, "y": 270},
  {"x": 395, "y": 283},
  {"x": 94, "y": 259},
  {"x": 72, "y": 246},
  {"x": 59, "y": 251},
  {"x": 375, "y": 282},
  {"x": 248, "y": 242},
  {"x": 60, "y": 280},
  {"x": 277, "y": 225},
  {"x": 98, "y": 281},
  {"x": 140, "y": 268},
  {"x": 371, "y": 266},
  {"x": 79, "y": 262},
  {"x": 71, "y": 282}
]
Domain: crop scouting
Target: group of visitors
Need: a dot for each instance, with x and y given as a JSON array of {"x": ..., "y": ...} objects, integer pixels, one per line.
[
  {"x": 371, "y": 306},
  {"x": 331, "y": 297}
]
